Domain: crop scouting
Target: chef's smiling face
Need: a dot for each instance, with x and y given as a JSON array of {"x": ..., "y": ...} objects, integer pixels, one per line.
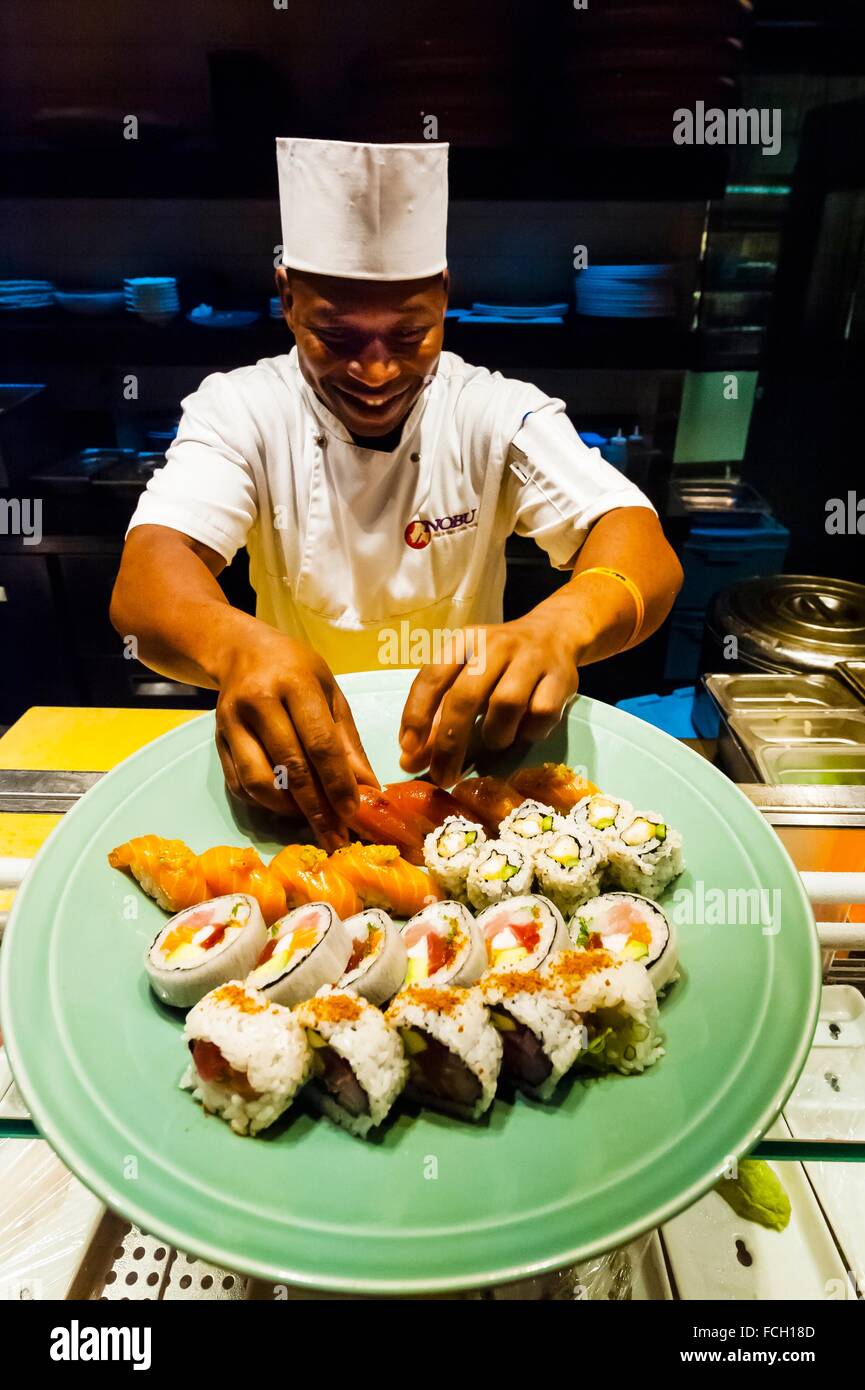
[{"x": 366, "y": 347}]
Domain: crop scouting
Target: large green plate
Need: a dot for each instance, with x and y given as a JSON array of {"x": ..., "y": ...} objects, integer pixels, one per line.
[{"x": 435, "y": 1204}]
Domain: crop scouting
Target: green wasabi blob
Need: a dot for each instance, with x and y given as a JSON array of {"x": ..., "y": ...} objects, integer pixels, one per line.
[{"x": 757, "y": 1195}]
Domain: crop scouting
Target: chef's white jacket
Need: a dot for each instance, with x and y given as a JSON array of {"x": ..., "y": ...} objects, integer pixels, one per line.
[{"x": 349, "y": 545}]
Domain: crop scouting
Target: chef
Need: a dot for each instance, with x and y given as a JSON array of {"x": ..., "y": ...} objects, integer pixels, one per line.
[{"x": 374, "y": 480}]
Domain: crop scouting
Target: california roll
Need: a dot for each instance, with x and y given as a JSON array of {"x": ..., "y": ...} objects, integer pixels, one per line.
[
  {"x": 205, "y": 946},
  {"x": 454, "y": 1052},
  {"x": 502, "y": 870},
  {"x": 444, "y": 946},
  {"x": 358, "y": 1067},
  {"x": 249, "y": 1056},
  {"x": 378, "y": 961},
  {"x": 307, "y": 948}
]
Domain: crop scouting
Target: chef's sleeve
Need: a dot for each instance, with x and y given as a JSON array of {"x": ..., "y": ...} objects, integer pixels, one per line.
[
  {"x": 206, "y": 488},
  {"x": 557, "y": 487}
]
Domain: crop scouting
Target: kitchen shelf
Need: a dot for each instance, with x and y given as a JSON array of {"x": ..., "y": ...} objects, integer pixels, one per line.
[
  {"x": 49, "y": 336},
  {"x": 196, "y": 170}
]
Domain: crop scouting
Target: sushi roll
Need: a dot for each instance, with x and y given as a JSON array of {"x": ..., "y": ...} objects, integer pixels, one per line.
[
  {"x": 307, "y": 948},
  {"x": 616, "y": 1001},
  {"x": 541, "y": 1031},
  {"x": 378, "y": 961},
  {"x": 630, "y": 928},
  {"x": 520, "y": 933},
  {"x": 454, "y": 1052},
  {"x": 569, "y": 869},
  {"x": 450, "y": 851},
  {"x": 358, "y": 1067},
  {"x": 501, "y": 870},
  {"x": 601, "y": 814},
  {"x": 645, "y": 854},
  {"x": 249, "y": 1056},
  {"x": 205, "y": 946},
  {"x": 531, "y": 825},
  {"x": 444, "y": 946}
]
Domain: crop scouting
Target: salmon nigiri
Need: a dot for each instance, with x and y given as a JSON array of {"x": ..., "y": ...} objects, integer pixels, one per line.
[
  {"x": 427, "y": 805},
  {"x": 167, "y": 870},
  {"x": 555, "y": 784},
  {"x": 229, "y": 869},
  {"x": 379, "y": 819},
  {"x": 308, "y": 876},
  {"x": 487, "y": 799},
  {"x": 384, "y": 879}
]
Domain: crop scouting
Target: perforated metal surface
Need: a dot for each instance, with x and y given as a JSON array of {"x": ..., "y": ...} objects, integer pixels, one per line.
[
  {"x": 189, "y": 1278},
  {"x": 139, "y": 1269}
]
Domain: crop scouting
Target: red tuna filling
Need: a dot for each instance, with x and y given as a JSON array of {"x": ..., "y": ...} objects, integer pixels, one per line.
[
  {"x": 438, "y": 1072},
  {"x": 213, "y": 1068},
  {"x": 523, "y": 1058},
  {"x": 342, "y": 1083}
]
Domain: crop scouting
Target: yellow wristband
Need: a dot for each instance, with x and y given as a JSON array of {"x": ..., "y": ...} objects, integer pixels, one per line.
[{"x": 632, "y": 589}]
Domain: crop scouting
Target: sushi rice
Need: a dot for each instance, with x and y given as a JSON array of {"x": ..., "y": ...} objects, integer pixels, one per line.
[
  {"x": 378, "y": 961},
  {"x": 630, "y": 927},
  {"x": 254, "y": 1054},
  {"x": 541, "y": 1030},
  {"x": 454, "y": 1052},
  {"x": 358, "y": 1066},
  {"x": 450, "y": 851},
  {"x": 205, "y": 946},
  {"x": 570, "y": 868},
  {"x": 645, "y": 854},
  {"x": 617, "y": 1003},
  {"x": 501, "y": 870}
]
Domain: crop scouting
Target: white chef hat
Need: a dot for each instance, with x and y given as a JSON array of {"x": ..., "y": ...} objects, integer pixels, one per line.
[{"x": 364, "y": 212}]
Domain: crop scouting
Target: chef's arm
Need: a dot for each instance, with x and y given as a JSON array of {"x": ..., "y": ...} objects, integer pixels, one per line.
[
  {"x": 523, "y": 674},
  {"x": 597, "y": 611},
  {"x": 284, "y": 731}
]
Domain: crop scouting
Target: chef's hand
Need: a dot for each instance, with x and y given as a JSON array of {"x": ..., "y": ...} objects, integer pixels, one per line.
[
  {"x": 520, "y": 677},
  {"x": 285, "y": 734}
]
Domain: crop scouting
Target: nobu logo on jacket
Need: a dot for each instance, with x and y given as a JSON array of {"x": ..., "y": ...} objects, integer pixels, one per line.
[{"x": 421, "y": 531}]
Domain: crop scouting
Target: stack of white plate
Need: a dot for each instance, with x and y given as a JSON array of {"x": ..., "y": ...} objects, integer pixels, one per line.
[
  {"x": 153, "y": 298},
  {"x": 626, "y": 291},
  {"x": 26, "y": 294}
]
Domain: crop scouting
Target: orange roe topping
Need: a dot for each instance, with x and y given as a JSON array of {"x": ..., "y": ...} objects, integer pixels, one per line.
[
  {"x": 334, "y": 1008},
  {"x": 510, "y": 982},
  {"x": 368, "y": 854},
  {"x": 572, "y": 967},
  {"x": 434, "y": 998},
  {"x": 236, "y": 997}
]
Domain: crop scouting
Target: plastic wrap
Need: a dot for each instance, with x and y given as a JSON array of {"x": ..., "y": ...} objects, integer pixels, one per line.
[{"x": 47, "y": 1221}]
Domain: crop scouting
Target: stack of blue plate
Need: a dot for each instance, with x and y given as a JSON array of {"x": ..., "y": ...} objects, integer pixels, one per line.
[
  {"x": 26, "y": 294},
  {"x": 626, "y": 291},
  {"x": 153, "y": 298},
  {"x": 515, "y": 313}
]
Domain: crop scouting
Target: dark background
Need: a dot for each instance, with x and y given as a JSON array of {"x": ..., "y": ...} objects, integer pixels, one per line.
[{"x": 560, "y": 125}]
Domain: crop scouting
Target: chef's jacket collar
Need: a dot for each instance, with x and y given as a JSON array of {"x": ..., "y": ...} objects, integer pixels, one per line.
[{"x": 334, "y": 426}]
